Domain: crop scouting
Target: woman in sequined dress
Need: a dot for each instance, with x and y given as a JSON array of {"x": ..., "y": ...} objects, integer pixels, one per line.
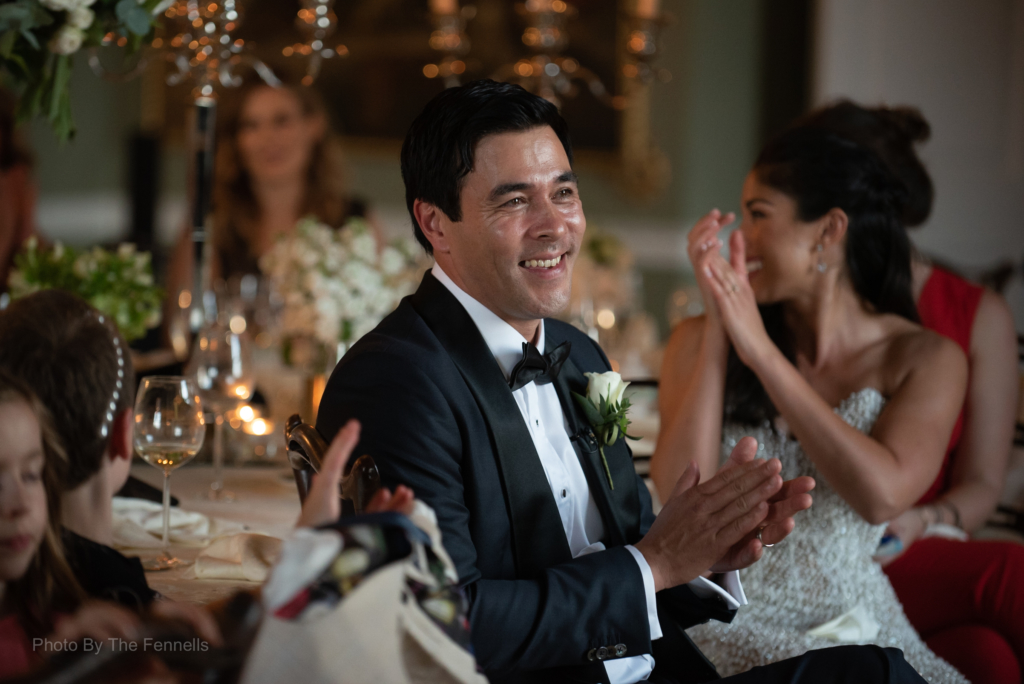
[{"x": 811, "y": 344}]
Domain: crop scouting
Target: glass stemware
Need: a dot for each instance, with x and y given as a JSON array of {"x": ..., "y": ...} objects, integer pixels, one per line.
[
  {"x": 222, "y": 366},
  {"x": 169, "y": 431}
]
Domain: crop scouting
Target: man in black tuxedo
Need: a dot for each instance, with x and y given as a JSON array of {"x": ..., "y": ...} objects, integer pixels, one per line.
[{"x": 569, "y": 574}]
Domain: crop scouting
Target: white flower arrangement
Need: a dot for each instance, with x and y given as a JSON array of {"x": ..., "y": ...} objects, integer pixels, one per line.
[
  {"x": 119, "y": 284},
  {"x": 335, "y": 284}
]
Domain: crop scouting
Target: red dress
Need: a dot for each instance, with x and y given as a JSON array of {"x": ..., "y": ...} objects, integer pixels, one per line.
[
  {"x": 16, "y": 654},
  {"x": 965, "y": 599}
]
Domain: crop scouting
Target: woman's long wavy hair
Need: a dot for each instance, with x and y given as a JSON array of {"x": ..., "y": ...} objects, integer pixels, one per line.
[
  {"x": 822, "y": 171},
  {"x": 236, "y": 211},
  {"x": 48, "y": 586}
]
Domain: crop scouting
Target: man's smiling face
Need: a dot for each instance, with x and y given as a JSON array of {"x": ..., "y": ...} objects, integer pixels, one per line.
[{"x": 521, "y": 228}]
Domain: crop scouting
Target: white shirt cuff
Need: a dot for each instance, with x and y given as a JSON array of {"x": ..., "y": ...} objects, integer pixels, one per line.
[
  {"x": 727, "y": 586},
  {"x": 629, "y": 670},
  {"x": 652, "y": 599}
]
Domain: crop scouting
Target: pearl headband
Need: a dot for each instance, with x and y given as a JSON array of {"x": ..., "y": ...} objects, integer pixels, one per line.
[{"x": 108, "y": 419}]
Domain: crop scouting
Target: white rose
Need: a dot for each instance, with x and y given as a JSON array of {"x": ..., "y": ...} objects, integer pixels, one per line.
[
  {"x": 81, "y": 17},
  {"x": 608, "y": 385},
  {"x": 67, "y": 40}
]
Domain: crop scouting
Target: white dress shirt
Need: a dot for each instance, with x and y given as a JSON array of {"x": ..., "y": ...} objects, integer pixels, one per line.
[{"x": 581, "y": 519}]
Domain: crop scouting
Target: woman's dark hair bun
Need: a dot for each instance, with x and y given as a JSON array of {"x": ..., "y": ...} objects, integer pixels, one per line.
[
  {"x": 908, "y": 121},
  {"x": 891, "y": 133}
]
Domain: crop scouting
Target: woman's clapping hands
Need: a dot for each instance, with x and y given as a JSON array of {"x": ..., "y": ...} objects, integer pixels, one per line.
[{"x": 726, "y": 287}]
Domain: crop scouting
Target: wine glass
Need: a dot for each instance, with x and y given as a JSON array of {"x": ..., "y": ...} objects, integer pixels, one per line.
[
  {"x": 169, "y": 431},
  {"x": 222, "y": 366}
]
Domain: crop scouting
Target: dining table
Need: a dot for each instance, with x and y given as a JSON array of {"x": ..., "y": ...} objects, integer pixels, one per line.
[{"x": 263, "y": 500}]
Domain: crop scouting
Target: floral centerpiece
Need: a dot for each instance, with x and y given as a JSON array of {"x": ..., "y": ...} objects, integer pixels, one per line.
[
  {"x": 38, "y": 39},
  {"x": 119, "y": 283},
  {"x": 335, "y": 284}
]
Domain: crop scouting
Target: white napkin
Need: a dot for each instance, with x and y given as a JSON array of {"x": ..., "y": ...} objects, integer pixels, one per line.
[
  {"x": 243, "y": 556},
  {"x": 139, "y": 524},
  {"x": 855, "y": 626}
]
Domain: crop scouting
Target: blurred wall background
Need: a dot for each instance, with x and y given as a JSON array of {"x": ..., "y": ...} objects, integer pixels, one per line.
[{"x": 741, "y": 69}]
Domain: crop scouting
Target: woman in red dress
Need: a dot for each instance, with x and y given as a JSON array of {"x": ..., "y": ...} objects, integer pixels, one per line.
[{"x": 966, "y": 599}]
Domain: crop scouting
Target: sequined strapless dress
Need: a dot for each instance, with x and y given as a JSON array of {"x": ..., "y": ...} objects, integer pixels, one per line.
[{"x": 821, "y": 571}]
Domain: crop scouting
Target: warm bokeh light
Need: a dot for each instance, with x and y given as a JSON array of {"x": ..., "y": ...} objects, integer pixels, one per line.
[
  {"x": 237, "y": 324},
  {"x": 246, "y": 413},
  {"x": 606, "y": 318}
]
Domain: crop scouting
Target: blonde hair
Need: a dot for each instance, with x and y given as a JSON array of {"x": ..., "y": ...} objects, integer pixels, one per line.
[
  {"x": 236, "y": 211},
  {"x": 48, "y": 586}
]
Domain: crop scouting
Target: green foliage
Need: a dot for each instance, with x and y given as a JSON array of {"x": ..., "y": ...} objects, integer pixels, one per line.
[
  {"x": 134, "y": 16},
  {"x": 120, "y": 284},
  {"x": 38, "y": 66}
]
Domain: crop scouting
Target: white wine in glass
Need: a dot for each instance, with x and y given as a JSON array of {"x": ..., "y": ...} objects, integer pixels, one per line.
[
  {"x": 169, "y": 431},
  {"x": 166, "y": 456}
]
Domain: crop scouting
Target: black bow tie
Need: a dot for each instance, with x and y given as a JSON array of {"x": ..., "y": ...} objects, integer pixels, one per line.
[{"x": 535, "y": 365}]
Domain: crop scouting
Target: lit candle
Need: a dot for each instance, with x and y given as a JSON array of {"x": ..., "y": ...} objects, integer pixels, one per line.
[
  {"x": 647, "y": 9},
  {"x": 444, "y": 6},
  {"x": 258, "y": 427}
]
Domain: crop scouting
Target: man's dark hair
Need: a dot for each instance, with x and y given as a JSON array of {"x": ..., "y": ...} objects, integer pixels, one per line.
[
  {"x": 438, "y": 150},
  {"x": 55, "y": 343}
]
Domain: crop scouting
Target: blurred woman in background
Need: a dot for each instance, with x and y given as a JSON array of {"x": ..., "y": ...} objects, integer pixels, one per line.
[
  {"x": 966, "y": 601},
  {"x": 277, "y": 162}
]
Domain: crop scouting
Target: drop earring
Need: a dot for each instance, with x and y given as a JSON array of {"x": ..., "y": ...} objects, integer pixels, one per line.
[{"x": 822, "y": 266}]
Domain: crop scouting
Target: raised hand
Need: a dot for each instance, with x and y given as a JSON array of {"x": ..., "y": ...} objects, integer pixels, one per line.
[
  {"x": 323, "y": 504},
  {"x": 701, "y": 525},
  {"x": 734, "y": 301},
  {"x": 702, "y": 244}
]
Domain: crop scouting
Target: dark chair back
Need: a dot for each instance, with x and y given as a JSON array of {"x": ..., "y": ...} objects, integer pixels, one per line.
[{"x": 306, "y": 451}]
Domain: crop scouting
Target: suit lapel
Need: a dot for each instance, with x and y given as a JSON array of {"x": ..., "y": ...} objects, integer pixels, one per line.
[
  {"x": 538, "y": 539},
  {"x": 620, "y": 507}
]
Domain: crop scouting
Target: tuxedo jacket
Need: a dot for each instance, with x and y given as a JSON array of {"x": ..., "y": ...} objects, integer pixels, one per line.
[{"x": 437, "y": 415}]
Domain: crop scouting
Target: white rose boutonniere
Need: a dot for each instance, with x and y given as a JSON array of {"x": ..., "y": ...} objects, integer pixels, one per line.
[{"x": 606, "y": 411}]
